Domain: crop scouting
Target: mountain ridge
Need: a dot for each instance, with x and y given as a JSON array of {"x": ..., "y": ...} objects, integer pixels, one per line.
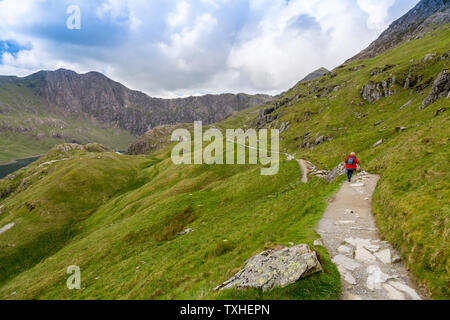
[
  {"x": 426, "y": 14},
  {"x": 134, "y": 111}
]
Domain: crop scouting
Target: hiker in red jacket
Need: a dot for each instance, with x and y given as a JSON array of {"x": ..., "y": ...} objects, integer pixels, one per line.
[{"x": 350, "y": 164}]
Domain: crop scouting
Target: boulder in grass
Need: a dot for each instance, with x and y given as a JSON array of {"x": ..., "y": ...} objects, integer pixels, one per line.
[{"x": 271, "y": 269}]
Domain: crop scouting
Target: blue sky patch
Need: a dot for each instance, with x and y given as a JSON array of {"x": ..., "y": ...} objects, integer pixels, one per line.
[{"x": 12, "y": 47}]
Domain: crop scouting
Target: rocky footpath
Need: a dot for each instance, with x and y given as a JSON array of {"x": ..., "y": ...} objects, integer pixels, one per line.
[
  {"x": 275, "y": 268},
  {"x": 370, "y": 268}
]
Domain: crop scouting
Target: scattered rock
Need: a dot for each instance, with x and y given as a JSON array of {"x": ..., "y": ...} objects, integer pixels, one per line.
[
  {"x": 356, "y": 68},
  {"x": 6, "y": 192},
  {"x": 376, "y": 277},
  {"x": 345, "y": 250},
  {"x": 378, "y": 123},
  {"x": 384, "y": 256},
  {"x": 318, "y": 242},
  {"x": 320, "y": 140},
  {"x": 7, "y": 227},
  {"x": 376, "y": 71},
  {"x": 372, "y": 247},
  {"x": 378, "y": 143},
  {"x": 357, "y": 242},
  {"x": 364, "y": 255},
  {"x": 411, "y": 80},
  {"x": 401, "y": 129},
  {"x": 440, "y": 89},
  {"x": 285, "y": 126},
  {"x": 403, "y": 287},
  {"x": 393, "y": 293},
  {"x": 185, "y": 231},
  {"x": 429, "y": 57},
  {"x": 442, "y": 110},
  {"x": 396, "y": 259},
  {"x": 345, "y": 262},
  {"x": 406, "y": 104},
  {"x": 346, "y": 275},
  {"x": 271, "y": 269}
]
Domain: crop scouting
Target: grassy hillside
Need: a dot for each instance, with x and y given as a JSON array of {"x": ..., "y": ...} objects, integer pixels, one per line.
[
  {"x": 125, "y": 236},
  {"x": 119, "y": 217},
  {"x": 411, "y": 200},
  {"x": 28, "y": 127}
]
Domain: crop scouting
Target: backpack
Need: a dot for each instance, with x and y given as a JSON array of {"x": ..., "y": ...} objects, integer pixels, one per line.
[{"x": 351, "y": 160}]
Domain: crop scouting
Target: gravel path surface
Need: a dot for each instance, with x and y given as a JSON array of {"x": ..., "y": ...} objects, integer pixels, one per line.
[{"x": 370, "y": 268}]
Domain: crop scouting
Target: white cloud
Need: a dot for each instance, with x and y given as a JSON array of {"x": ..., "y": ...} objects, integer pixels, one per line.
[
  {"x": 181, "y": 47},
  {"x": 180, "y": 16},
  {"x": 377, "y": 11},
  {"x": 185, "y": 48}
]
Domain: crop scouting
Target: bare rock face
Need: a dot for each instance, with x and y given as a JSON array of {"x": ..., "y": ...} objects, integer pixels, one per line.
[
  {"x": 94, "y": 95},
  {"x": 271, "y": 269},
  {"x": 152, "y": 140},
  {"x": 440, "y": 89},
  {"x": 338, "y": 171},
  {"x": 373, "y": 91},
  {"x": 425, "y": 16}
]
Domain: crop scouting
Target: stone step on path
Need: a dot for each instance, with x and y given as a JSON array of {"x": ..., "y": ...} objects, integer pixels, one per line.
[{"x": 370, "y": 268}]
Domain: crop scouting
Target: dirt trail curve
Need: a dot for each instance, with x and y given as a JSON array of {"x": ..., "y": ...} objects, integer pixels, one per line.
[
  {"x": 302, "y": 163},
  {"x": 370, "y": 268}
]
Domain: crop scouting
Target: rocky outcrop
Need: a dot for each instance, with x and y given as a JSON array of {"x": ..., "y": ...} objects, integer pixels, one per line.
[
  {"x": 271, "y": 269},
  {"x": 373, "y": 91},
  {"x": 266, "y": 115},
  {"x": 70, "y": 147},
  {"x": 338, "y": 171},
  {"x": 440, "y": 89},
  {"x": 378, "y": 70},
  {"x": 152, "y": 140},
  {"x": 425, "y": 16}
]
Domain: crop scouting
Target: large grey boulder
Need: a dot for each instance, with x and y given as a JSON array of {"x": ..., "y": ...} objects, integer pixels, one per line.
[
  {"x": 440, "y": 89},
  {"x": 271, "y": 269}
]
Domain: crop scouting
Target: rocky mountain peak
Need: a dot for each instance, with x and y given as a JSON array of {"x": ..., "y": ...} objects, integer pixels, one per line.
[
  {"x": 315, "y": 74},
  {"x": 95, "y": 96},
  {"x": 414, "y": 24}
]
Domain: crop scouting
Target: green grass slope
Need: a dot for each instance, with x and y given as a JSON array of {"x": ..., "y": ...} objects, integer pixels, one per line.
[
  {"x": 411, "y": 202},
  {"x": 28, "y": 127},
  {"x": 118, "y": 218}
]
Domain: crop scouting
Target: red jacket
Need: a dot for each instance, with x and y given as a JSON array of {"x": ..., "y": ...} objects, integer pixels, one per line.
[{"x": 351, "y": 166}]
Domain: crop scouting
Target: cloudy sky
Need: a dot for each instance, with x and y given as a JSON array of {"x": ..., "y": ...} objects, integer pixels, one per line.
[{"x": 170, "y": 48}]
